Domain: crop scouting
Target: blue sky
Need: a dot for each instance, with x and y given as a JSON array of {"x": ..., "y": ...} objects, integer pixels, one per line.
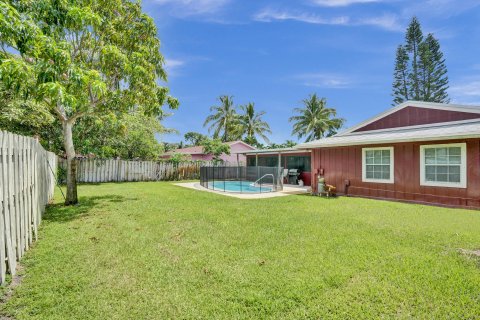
[{"x": 276, "y": 53}]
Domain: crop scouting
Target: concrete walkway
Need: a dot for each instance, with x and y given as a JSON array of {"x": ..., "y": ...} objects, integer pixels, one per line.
[{"x": 287, "y": 190}]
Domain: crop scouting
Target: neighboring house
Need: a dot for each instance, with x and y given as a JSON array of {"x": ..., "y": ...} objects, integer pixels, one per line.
[
  {"x": 237, "y": 150},
  {"x": 417, "y": 151}
]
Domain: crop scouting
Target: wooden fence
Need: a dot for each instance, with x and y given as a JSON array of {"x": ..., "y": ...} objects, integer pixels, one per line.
[
  {"x": 27, "y": 183},
  {"x": 112, "y": 170}
]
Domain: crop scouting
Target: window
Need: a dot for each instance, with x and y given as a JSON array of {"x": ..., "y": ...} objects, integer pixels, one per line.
[
  {"x": 301, "y": 163},
  {"x": 251, "y": 161},
  {"x": 443, "y": 165},
  {"x": 377, "y": 165}
]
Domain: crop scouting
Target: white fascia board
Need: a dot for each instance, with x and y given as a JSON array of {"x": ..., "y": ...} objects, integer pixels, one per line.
[{"x": 387, "y": 141}]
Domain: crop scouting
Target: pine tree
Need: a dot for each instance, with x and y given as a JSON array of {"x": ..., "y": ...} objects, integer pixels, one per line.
[
  {"x": 400, "y": 84},
  {"x": 420, "y": 72},
  {"x": 437, "y": 77},
  {"x": 414, "y": 39}
]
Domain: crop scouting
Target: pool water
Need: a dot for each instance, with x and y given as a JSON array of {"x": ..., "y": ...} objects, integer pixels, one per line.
[{"x": 237, "y": 186}]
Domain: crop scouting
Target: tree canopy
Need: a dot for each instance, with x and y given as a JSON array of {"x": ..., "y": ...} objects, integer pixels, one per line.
[
  {"x": 79, "y": 59},
  {"x": 251, "y": 125},
  {"x": 216, "y": 148},
  {"x": 224, "y": 120},
  {"x": 194, "y": 138},
  {"x": 314, "y": 120},
  {"x": 228, "y": 124}
]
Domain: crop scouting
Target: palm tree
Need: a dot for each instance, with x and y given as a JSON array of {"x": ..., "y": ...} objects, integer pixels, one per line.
[
  {"x": 251, "y": 124},
  {"x": 223, "y": 120},
  {"x": 315, "y": 120}
]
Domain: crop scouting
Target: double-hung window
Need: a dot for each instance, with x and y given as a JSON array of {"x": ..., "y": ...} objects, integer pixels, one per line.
[
  {"x": 443, "y": 165},
  {"x": 377, "y": 165}
]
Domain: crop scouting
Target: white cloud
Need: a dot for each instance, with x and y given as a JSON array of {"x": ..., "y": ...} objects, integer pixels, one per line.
[
  {"x": 386, "y": 21},
  {"x": 470, "y": 89},
  {"x": 340, "y": 3},
  {"x": 324, "y": 80},
  {"x": 269, "y": 15},
  {"x": 193, "y": 7},
  {"x": 172, "y": 65}
]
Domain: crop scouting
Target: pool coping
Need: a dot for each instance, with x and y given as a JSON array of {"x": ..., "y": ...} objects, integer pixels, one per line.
[{"x": 287, "y": 190}]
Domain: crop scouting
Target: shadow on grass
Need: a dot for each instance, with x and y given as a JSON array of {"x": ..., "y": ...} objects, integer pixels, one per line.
[
  {"x": 309, "y": 195},
  {"x": 60, "y": 213}
]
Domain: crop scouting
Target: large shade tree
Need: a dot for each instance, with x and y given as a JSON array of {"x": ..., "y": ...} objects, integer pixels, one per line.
[
  {"x": 224, "y": 120},
  {"x": 80, "y": 58},
  {"x": 252, "y": 126},
  {"x": 314, "y": 120}
]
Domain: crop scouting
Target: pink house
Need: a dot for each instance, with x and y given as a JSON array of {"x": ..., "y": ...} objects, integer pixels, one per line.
[{"x": 237, "y": 150}]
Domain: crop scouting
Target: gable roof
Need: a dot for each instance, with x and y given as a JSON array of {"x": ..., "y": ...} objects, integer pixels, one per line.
[
  {"x": 441, "y": 131},
  {"x": 231, "y": 143},
  {"x": 417, "y": 104}
]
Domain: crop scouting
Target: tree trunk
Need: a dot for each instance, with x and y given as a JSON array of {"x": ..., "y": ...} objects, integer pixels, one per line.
[{"x": 71, "y": 197}]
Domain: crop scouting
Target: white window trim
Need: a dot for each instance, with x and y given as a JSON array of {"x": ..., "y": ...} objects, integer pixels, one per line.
[
  {"x": 463, "y": 166},
  {"x": 364, "y": 166}
]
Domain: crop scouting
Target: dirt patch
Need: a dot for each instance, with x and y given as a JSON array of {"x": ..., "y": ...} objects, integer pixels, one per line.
[
  {"x": 475, "y": 253},
  {"x": 16, "y": 281}
]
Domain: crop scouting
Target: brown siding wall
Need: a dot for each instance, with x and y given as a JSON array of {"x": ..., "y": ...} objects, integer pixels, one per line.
[
  {"x": 412, "y": 116},
  {"x": 342, "y": 163}
]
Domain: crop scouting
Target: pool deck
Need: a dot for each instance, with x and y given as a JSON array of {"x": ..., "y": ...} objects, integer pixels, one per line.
[{"x": 288, "y": 189}]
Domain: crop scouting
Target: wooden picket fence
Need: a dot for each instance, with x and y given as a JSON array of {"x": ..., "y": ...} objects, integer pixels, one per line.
[
  {"x": 114, "y": 170},
  {"x": 27, "y": 182}
]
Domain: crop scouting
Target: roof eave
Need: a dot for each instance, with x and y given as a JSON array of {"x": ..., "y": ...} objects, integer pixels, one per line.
[{"x": 385, "y": 141}]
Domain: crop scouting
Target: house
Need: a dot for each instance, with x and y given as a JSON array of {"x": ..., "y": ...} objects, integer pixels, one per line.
[
  {"x": 417, "y": 151},
  {"x": 237, "y": 149}
]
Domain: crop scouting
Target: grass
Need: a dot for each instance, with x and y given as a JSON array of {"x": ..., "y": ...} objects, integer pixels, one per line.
[{"x": 159, "y": 251}]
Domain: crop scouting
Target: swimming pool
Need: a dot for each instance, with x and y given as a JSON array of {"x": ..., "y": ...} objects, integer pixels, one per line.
[
  {"x": 241, "y": 179},
  {"x": 238, "y": 186}
]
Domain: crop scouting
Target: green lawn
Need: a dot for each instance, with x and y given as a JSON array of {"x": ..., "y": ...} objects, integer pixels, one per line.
[{"x": 159, "y": 251}]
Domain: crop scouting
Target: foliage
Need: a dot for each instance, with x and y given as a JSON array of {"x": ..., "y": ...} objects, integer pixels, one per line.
[
  {"x": 157, "y": 251},
  {"x": 128, "y": 136},
  {"x": 228, "y": 125},
  {"x": 224, "y": 120},
  {"x": 315, "y": 120},
  {"x": 177, "y": 158},
  {"x": 82, "y": 58},
  {"x": 420, "y": 71},
  {"x": 194, "y": 138},
  {"x": 138, "y": 140},
  {"x": 251, "y": 125},
  {"x": 216, "y": 148},
  {"x": 170, "y": 146},
  {"x": 286, "y": 144},
  {"x": 23, "y": 116}
]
